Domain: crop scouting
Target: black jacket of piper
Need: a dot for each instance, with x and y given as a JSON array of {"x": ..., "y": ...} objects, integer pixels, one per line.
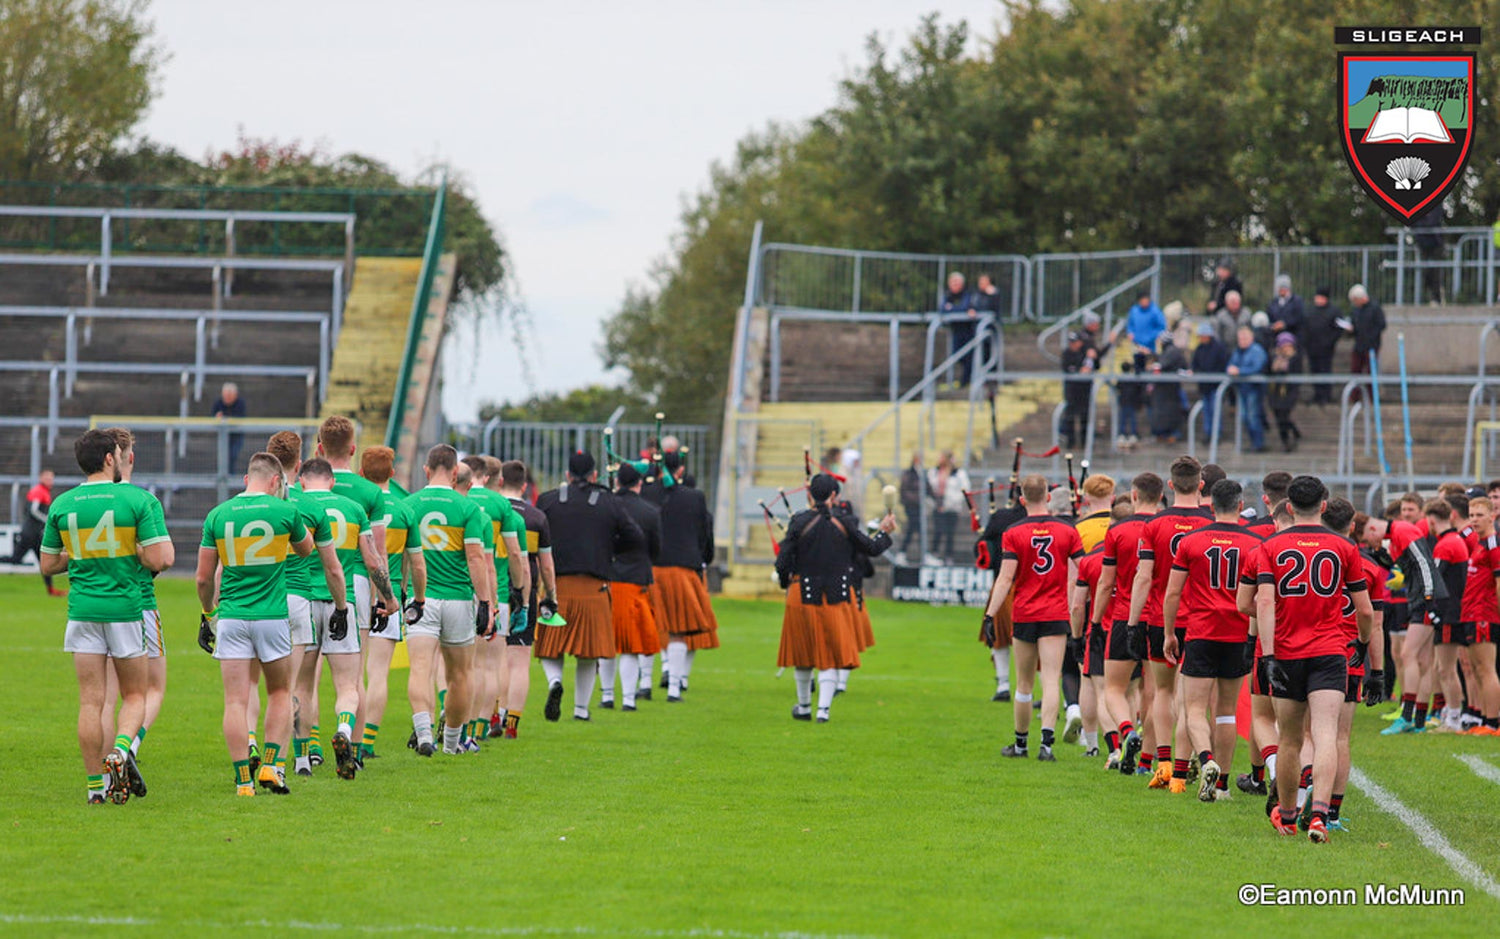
[
  {"x": 821, "y": 548},
  {"x": 589, "y": 527},
  {"x": 633, "y": 564},
  {"x": 687, "y": 529},
  {"x": 987, "y": 549}
]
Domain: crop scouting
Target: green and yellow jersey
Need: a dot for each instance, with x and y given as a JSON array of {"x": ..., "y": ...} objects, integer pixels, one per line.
[
  {"x": 445, "y": 522},
  {"x": 503, "y": 521},
  {"x": 303, "y": 573},
  {"x": 397, "y": 523},
  {"x": 346, "y": 522},
  {"x": 145, "y": 577},
  {"x": 99, "y": 525},
  {"x": 253, "y": 534},
  {"x": 368, "y": 496},
  {"x": 396, "y": 491}
]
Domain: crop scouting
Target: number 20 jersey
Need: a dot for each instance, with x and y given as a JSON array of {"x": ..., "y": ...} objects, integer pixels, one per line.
[
  {"x": 1309, "y": 567},
  {"x": 1041, "y": 546}
]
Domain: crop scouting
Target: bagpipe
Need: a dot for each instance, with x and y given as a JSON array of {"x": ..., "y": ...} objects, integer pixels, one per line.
[{"x": 982, "y": 552}]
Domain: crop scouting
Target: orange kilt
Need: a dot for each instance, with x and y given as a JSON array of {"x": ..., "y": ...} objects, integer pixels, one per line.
[
  {"x": 590, "y": 634},
  {"x": 862, "y": 630},
  {"x": 635, "y": 621},
  {"x": 1003, "y": 624},
  {"x": 684, "y": 611},
  {"x": 817, "y": 636}
]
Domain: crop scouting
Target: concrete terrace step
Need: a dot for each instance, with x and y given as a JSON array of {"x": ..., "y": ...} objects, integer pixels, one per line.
[{"x": 367, "y": 361}]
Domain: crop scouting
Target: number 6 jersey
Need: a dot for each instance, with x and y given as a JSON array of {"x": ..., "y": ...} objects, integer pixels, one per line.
[
  {"x": 253, "y": 533},
  {"x": 1041, "y": 546}
]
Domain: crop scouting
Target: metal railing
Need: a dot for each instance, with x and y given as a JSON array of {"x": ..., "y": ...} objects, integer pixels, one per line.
[
  {"x": 1103, "y": 306},
  {"x": 430, "y": 256},
  {"x": 1457, "y": 270}
]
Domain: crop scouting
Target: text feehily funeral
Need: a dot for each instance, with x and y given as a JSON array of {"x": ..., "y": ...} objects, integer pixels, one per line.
[{"x": 1406, "y": 35}]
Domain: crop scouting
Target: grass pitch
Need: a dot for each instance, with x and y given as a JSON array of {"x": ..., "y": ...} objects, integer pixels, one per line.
[{"x": 717, "y": 817}]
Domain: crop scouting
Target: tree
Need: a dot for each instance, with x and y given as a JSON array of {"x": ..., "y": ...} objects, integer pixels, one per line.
[
  {"x": 592, "y": 404},
  {"x": 75, "y": 77}
]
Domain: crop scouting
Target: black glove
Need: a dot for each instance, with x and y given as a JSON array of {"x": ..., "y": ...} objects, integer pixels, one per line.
[
  {"x": 546, "y": 609},
  {"x": 517, "y": 598},
  {"x": 379, "y": 620},
  {"x": 205, "y": 634},
  {"x": 338, "y": 624},
  {"x": 987, "y": 629},
  {"x": 1357, "y": 654},
  {"x": 1276, "y": 677},
  {"x": 1079, "y": 649},
  {"x": 414, "y": 611},
  {"x": 1135, "y": 641},
  {"x": 482, "y": 619},
  {"x": 1374, "y": 688}
]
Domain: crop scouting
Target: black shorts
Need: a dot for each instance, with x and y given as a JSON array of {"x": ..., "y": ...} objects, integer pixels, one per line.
[
  {"x": 1094, "y": 666},
  {"x": 1031, "y": 632},
  {"x": 1394, "y": 618},
  {"x": 1259, "y": 683},
  {"x": 1454, "y": 634},
  {"x": 1319, "y": 673},
  {"x": 1481, "y": 632},
  {"x": 1116, "y": 650},
  {"x": 1156, "y": 640},
  {"x": 1212, "y": 658},
  {"x": 1355, "y": 686}
]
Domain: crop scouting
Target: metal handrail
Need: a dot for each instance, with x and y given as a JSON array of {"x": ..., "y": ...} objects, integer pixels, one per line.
[
  {"x": 419, "y": 304},
  {"x": 1108, "y": 297}
]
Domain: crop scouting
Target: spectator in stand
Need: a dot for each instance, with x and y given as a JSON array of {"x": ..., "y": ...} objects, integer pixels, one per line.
[
  {"x": 1178, "y": 325},
  {"x": 29, "y": 539},
  {"x": 1230, "y": 317},
  {"x": 1143, "y": 327},
  {"x": 947, "y": 482},
  {"x": 1219, "y": 289},
  {"x": 1282, "y": 396},
  {"x": 1093, "y": 332},
  {"x": 1285, "y": 310},
  {"x": 1431, "y": 248},
  {"x": 960, "y": 301},
  {"x": 1167, "y": 402},
  {"x": 913, "y": 492},
  {"x": 1246, "y": 361},
  {"x": 987, "y": 301},
  {"x": 1211, "y": 357},
  {"x": 1367, "y": 324},
  {"x": 1322, "y": 333},
  {"x": 229, "y": 404},
  {"x": 1260, "y": 322},
  {"x": 1080, "y": 360}
]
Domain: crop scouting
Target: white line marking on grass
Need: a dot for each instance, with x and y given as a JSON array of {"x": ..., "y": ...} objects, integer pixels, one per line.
[
  {"x": 21, "y": 919},
  {"x": 1480, "y": 766},
  {"x": 1426, "y": 832}
]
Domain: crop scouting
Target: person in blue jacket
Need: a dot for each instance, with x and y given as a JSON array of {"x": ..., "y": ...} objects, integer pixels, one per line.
[
  {"x": 1247, "y": 360},
  {"x": 1144, "y": 325}
]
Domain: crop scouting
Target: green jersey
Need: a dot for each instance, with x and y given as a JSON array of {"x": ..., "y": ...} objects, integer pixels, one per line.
[
  {"x": 445, "y": 522},
  {"x": 253, "y": 534},
  {"x": 100, "y": 525},
  {"x": 368, "y": 496},
  {"x": 397, "y": 526},
  {"x": 303, "y": 573},
  {"x": 347, "y": 522},
  {"x": 397, "y": 491},
  {"x": 146, "y": 578},
  {"x": 503, "y": 521}
]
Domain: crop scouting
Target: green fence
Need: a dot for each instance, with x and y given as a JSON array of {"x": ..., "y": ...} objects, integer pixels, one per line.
[
  {"x": 389, "y": 222},
  {"x": 431, "y": 253}
]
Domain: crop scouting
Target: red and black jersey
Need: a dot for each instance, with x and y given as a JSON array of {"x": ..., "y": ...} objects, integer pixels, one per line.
[
  {"x": 1041, "y": 546},
  {"x": 1122, "y": 545},
  {"x": 1451, "y": 553},
  {"x": 1375, "y": 582},
  {"x": 1309, "y": 569},
  {"x": 1480, "y": 603},
  {"x": 1212, "y": 558},
  {"x": 1249, "y": 574},
  {"x": 1262, "y": 525},
  {"x": 1090, "y": 566},
  {"x": 1402, "y": 534},
  {"x": 1159, "y": 540}
]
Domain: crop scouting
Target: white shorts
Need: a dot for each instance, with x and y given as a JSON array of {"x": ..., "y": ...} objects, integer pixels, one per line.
[
  {"x": 151, "y": 620},
  {"x": 119, "y": 640},
  {"x": 322, "y": 612},
  {"x": 361, "y": 617},
  {"x": 299, "y": 611},
  {"x": 451, "y": 622},
  {"x": 267, "y": 640}
]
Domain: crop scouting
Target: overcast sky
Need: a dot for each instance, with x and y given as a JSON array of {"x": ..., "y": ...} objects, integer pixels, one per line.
[{"x": 581, "y": 125}]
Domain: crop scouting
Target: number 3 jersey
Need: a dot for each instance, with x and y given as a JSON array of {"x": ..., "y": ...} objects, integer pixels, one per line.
[
  {"x": 99, "y": 525},
  {"x": 1212, "y": 558},
  {"x": 1041, "y": 546},
  {"x": 253, "y": 534},
  {"x": 1309, "y": 568}
]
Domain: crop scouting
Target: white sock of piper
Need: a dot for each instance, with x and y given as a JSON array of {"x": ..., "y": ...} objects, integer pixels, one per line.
[
  {"x": 828, "y": 683},
  {"x": 676, "y": 666},
  {"x": 421, "y": 722},
  {"x": 552, "y": 669},
  {"x": 643, "y": 665},
  {"x": 607, "y": 669},
  {"x": 687, "y": 665},
  {"x": 583, "y": 689},
  {"x": 843, "y": 680},
  {"x": 804, "y": 686},
  {"x": 630, "y": 673},
  {"x": 1001, "y": 658}
]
